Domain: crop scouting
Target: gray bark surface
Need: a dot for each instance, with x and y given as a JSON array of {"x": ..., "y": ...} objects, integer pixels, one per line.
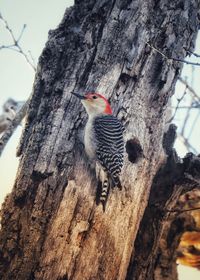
[{"x": 51, "y": 225}]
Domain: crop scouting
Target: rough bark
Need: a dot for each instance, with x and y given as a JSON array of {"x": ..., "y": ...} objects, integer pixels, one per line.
[
  {"x": 51, "y": 225},
  {"x": 160, "y": 229}
]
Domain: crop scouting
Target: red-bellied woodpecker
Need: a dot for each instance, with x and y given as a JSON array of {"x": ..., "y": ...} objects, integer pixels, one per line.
[{"x": 103, "y": 141}]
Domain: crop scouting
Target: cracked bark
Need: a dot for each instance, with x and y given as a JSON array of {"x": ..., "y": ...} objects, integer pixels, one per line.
[
  {"x": 51, "y": 225},
  {"x": 161, "y": 229}
]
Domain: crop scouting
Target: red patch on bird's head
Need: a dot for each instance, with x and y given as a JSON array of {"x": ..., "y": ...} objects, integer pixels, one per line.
[{"x": 94, "y": 96}]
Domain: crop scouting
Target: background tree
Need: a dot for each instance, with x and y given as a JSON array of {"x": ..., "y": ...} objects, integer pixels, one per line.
[{"x": 51, "y": 224}]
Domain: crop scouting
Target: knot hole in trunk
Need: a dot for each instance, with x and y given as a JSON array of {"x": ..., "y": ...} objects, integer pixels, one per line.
[{"x": 134, "y": 150}]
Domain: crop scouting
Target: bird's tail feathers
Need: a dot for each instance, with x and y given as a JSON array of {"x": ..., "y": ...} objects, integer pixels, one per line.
[
  {"x": 106, "y": 181},
  {"x": 105, "y": 188},
  {"x": 104, "y": 193}
]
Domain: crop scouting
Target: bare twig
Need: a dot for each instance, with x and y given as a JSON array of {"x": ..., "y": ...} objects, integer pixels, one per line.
[
  {"x": 32, "y": 58},
  {"x": 195, "y": 95},
  {"x": 197, "y": 106},
  {"x": 193, "y": 53},
  {"x": 185, "y": 121},
  {"x": 172, "y": 58},
  {"x": 195, "y": 103},
  {"x": 22, "y": 32},
  {"x": 187, "y": 117},
  {"x": 193, "y": 124},
  {"x": 178, "y": 103},
  {"x": 16, "y": 46},
  {"x": 13, "y": 125}
]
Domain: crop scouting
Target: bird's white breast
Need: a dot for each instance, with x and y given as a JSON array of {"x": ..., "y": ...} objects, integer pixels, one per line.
[{"x": 89, "y": 139}]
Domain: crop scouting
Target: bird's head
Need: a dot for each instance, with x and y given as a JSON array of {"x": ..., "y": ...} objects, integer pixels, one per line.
[{"x": 95, "y": 103}]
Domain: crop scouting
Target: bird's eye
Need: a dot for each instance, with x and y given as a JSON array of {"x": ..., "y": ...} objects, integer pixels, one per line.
[{"x": 94, "y": 97}]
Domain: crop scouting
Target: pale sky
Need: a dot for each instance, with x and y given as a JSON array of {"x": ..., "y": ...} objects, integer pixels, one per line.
[{"x": 16, "y": 76}]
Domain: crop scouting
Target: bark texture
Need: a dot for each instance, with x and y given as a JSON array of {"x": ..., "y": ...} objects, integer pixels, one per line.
[
  {"x": 163, "y": 222},
  {"x": 51, "y": 225}
]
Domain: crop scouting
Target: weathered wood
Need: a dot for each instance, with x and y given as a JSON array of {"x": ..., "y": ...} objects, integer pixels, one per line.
[
  {"x": 166, "y": 259},
  {"x": 160, "y": 229},
  {"x": 51, "y": 225}
]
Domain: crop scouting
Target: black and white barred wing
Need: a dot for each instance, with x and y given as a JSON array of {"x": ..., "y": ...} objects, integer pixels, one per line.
[{"x": 110, "y": 145}]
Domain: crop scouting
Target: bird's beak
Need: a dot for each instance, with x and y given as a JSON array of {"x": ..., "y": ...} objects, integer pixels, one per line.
[{"x": 78, "y": 95}]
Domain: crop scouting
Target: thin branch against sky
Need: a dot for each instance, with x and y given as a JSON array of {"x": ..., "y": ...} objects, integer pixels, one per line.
[{"x": 15, "y": 45}]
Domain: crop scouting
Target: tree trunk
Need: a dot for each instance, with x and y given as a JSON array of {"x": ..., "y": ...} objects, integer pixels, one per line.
[{"x": 51, "y": 225}]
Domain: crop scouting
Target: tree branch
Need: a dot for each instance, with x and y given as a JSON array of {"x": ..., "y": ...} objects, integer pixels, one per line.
[
  {"x": 172, "y": 58},
  {"x": 193, "y": 53},
  {"x": 16, "y": 46},
  {"x": 9, "y": 125},
  {"x": 178, "y": 103},
  {"x": 13, "y": 125},
  {"x": 190, "y": 89}
]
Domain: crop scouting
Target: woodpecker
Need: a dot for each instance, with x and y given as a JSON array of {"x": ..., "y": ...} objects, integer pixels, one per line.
[{"x": 103, "y": 140}]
